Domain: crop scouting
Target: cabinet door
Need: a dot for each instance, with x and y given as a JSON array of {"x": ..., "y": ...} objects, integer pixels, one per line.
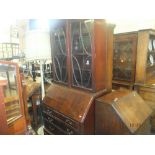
[
  {"x": 59, "y": 51},
  {"x": 11, "y": 95},
  {"x": 150, "y": 56},
  {"x": 124, "y": 59},
  {"x": 12, "y": 98},
  {"x": 81, "y": 53}
]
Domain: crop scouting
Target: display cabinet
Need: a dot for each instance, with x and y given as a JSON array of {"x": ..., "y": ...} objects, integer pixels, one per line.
[
  {"x": 145, "y": 69},
  {"x": 79, "y": 51},
  {"x": 124, "y": 60},
  {"x": 134, "y": 64},
  {"x": 13, "y": 118},
  {"x": 82, "y": 69}
]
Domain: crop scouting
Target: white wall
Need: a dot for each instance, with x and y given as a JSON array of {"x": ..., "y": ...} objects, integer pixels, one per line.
[{"x": 124, "y": 25}]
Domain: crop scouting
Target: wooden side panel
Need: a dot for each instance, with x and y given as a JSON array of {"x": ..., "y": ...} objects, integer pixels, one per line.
[
  {"x": 89, "y": 124},
  {"x": 100, "y": 54},
  {"x": 109, "y": 62},
  {"x": 142, "y": 48}
]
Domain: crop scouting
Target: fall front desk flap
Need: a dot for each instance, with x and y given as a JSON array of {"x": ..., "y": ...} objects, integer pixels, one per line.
[
  {"x": 73, "y": 103},
  {"x": 129, "y": 106}
]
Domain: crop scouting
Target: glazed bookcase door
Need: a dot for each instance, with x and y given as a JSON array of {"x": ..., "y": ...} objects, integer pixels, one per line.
[
  {"x": 81, "y": 53},
  {"x": 11, "y": 92},
  {"x": 59, "y": 52},
  {"x": 151, "y": 51},
  {"x": 124, "y": 60}
]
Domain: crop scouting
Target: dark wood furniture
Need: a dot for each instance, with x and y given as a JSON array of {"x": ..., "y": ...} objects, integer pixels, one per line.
[
  {"x": 145, "y": 69},
  {"x": 69, "y": 111},
  {"x": 134, "y": 64},
  {"x": 32, "y": 92},
  {"x": 124, "y": 60},
  {"x": 12, "y": 118},
  {"x": 82, "y": 68},
  {"x": 122, "y": 112}
]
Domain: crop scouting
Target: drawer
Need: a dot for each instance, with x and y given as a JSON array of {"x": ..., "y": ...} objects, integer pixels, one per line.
[
  {"x": 52, "y": 128},
  {"x": 56, "y": 125},
  {"x": 59, "y": 123},
  {"x": 60, "y": 117}
]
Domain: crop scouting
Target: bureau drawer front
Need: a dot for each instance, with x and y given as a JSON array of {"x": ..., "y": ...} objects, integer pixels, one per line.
[
  {"x": 57, "y": 130},
  {"x": 59, "y": 123},
  {"x": 56, "y": 115},
  {"x": 53, "y": 129}
]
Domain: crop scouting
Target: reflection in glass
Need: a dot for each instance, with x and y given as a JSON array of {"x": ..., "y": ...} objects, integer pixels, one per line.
[
  {"x": 81, "y": 49},
  {"x": 11, "y": 96},
  {"x": 151, "y": 52},
  {"x": 123, "y": 61},
  {"x": 60, "y": 53}
]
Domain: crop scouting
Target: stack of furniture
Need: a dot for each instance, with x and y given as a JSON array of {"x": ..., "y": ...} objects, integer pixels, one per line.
[
  {"x": 134, "y": 64},
  {"x": 145, "y": 69},
  {"x": 82, "y": 70}
]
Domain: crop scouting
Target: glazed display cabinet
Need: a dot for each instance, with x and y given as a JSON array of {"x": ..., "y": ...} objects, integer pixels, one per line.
[
  {"x": 124, "y": 60},
  {"x": 11, "y": 103},
  {"x": 82, "y": 70}
]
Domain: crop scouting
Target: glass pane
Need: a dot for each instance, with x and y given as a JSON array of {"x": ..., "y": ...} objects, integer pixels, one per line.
[
  {"x": 151, "y": 52},
  {"x": 123, "y": 61},
  {"x": 11, "y": 95},
  {"x": 60, "y": 53},
  {"x": 81, "y": 49}
]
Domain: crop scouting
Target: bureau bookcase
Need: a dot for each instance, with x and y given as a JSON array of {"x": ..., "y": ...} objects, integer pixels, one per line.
[{"x": 81, "y": 52}]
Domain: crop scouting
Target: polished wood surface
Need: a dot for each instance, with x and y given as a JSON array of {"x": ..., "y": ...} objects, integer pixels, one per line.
[
  {"x": 74, "y": 104},
  {"x": 147, "y": 92},
  {"x": 71, "y": 102},
  {"x": 127, "y": 112},
  {"x": 142, "y": 48}
]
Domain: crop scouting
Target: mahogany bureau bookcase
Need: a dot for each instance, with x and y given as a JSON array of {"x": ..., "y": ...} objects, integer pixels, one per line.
[{"x": 82, "y": 69}]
